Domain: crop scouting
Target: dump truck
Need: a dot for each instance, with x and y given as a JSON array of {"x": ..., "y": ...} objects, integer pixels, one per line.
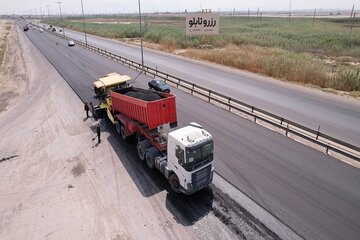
[{"x": 184, "y": 155}]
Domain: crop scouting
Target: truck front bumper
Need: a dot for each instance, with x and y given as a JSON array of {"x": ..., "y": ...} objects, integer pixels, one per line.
[{"x": 190, "y": 188}]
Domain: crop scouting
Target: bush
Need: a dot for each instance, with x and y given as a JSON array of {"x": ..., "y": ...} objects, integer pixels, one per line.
[
  {"x": 282, "y": 64},
  {"x": 347, "y": 80}
]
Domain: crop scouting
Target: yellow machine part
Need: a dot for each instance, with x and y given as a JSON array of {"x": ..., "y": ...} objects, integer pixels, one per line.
[
  {"x": 111, "y": 79},
  {"x": 108, "y": 107}
]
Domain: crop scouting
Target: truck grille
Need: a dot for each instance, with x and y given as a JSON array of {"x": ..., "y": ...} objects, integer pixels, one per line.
[{"x": 201, "y": 178}]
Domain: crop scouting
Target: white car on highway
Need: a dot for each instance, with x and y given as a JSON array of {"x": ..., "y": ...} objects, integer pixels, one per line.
[{"x": 71, "y": 43}]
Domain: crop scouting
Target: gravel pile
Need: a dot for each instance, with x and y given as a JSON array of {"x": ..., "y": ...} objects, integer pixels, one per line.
[{"x": 146, "y": 96}]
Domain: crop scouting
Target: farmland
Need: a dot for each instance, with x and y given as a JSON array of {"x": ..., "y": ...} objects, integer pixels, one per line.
[{"x": 323, "y": 53}]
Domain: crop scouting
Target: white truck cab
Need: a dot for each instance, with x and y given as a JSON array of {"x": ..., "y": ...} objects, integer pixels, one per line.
[{"x": 190, "y": 157}]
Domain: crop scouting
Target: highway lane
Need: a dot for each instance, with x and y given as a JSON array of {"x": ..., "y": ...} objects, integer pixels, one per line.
[
  {"x": 337, "y": 117},
  {"x": 314, "y": 194}
]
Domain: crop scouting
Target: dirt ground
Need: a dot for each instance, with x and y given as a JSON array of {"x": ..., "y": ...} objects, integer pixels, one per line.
[
  {"x": 56, "y": 183},
  {"x": 59, "y": 184},
  {"x": 12, "y": 70}
]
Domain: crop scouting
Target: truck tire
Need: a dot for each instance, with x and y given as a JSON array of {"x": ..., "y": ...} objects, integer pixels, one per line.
[
  {"x": 118, "y": 127},
  {"x": 150, "y": 160},
  {"x": 151, "y": 154},
  {"x": 122, "y": 132},
  {"x": 142, "y": 147},
  {"x": 174, "y": 183}
]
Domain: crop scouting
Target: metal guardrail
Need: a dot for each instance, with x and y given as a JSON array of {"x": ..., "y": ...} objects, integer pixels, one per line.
[{"x": 233, "y": 105}]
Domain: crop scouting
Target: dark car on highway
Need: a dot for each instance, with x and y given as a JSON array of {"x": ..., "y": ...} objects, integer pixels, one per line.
[{"x": 158, "y": 85}]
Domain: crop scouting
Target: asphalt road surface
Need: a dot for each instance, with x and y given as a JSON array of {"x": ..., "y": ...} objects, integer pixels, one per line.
[
  {"x": 316, "y": 195},
  {"x": 337, "y": 117}
]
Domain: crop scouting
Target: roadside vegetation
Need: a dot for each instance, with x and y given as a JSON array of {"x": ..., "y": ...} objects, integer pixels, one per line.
[
  {"x": 324, "y": 53},
  {"x": 4, "y": 32}
]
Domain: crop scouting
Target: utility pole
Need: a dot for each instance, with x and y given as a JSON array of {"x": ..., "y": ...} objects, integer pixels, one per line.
[
  {"x": 233, "y": 15},
  {"x": 35, "y": 14},
  {"x": 82, "y": 8},
  {"x": 48, "y": 13},
  {"x": 248, "y": 14},
  {"x": 61, "y": 18},
  {"x": 289, "y": 11},
  {"x": 41, "y": 16},
  {"x": 141, "y": 40},
  {"x": 257, "y": 15},
  {"x": 314, "y": 16},
  {"x": 351, "y": 17}
]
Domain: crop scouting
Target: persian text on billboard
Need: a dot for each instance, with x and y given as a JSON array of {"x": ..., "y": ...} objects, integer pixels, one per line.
[{"x": 202, "y": 24}]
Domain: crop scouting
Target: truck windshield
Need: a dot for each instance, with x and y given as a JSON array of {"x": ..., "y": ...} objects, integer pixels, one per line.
[{"x": 199, "y": 155}]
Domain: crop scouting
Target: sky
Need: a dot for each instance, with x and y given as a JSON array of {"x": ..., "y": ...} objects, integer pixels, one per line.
[{"x": 131, "y": 6}]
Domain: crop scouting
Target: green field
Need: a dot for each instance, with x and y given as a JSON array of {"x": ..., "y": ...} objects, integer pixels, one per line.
[{"x": 324, "y": 54}]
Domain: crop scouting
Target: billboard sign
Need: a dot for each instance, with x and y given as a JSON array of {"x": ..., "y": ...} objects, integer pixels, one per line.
[{"x": 202, "y": 24}]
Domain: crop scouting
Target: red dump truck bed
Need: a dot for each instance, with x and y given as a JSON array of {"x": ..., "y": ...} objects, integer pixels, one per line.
[{"x": 148, "y": 107}]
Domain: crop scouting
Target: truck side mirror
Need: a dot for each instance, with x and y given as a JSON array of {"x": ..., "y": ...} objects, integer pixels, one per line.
[
  {"x": 179, "y": 153},
  {"x": 181, "y": 161}
]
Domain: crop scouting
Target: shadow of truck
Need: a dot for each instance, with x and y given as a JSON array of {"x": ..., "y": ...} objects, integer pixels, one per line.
[{"x": 186, "y": 210}]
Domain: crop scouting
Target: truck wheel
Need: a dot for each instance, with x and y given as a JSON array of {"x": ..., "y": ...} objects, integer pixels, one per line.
[
  {"x": 151, "y": 154},
  {"x": 142, "y": 147},
  {"x": 118, "y": 127},
  {"x": 174, "y": 183},
  {"x": 122, "y": 133},
  {"x": 150, "y": 160}
]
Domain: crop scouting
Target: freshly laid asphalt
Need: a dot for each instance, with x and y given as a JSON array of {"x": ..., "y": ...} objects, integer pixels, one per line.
[
  {"x": 314, "y": 194},
  {"x": 336, "y": 117}
]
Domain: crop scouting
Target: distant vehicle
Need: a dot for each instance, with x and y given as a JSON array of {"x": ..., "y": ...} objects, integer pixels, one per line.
[
  {"x": 53, "y": 29},
  {"x": 159, "y": 85},
  {"x": 26, "y": 28},
  {"x": 41, "y": 30},
  {"x": 60, "y": 30},
  {"x": 34, "y": 28},
  {"x": 71, "y": 43}
]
